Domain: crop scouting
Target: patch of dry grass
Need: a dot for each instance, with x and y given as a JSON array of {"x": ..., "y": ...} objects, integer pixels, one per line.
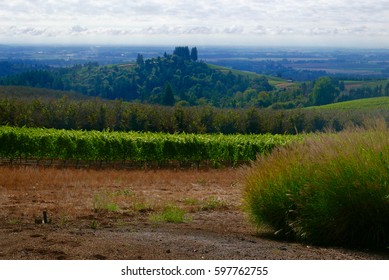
[{"x": 73, "y": 193}]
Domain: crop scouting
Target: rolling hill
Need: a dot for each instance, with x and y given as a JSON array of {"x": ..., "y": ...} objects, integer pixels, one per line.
[
  {"x": 359, "y": 104},
  {"x": 166, "y": 80}
]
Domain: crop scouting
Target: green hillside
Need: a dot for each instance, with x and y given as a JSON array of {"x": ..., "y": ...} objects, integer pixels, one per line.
[
  {"x": 169, "y": 80},
  {"x": 180, "y": 79},
  {"x": 30, "y": 93},
  {"x": 360, "y": 104},
  {"x": 274, "y": 81}
]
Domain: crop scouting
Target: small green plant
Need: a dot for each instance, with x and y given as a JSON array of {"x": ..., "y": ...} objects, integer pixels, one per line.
[
  {"x": 112, "y": 207},
  {"x": 213, "y": 203},
  {"x": 191, "y": 201},
  {"x": 120, "y": 223},
  {"x": 125, "y": 192},
  {"x": 210, "y": 203},
  {"x": 142, "y": 207},
  {"x": 202, "y": 181},
  {"x": 104, "y": 202},
  {"x": 94, "y": 224},
  {"x": 170, "y": 214},
  {"x": 14, "y": 221},
  {"x": 64, "y": 220}
]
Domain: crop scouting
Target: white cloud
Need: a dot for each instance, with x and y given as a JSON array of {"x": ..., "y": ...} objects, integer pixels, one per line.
[
  {"x": 78, "y": 29},
  {"x": 234, "y": 20},
  {"x": 234, "y": 29},
  {"x": 26, "y": 31}
]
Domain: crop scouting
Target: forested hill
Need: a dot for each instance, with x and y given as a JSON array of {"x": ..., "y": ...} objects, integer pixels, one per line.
[{"x": 172, "y": 79}]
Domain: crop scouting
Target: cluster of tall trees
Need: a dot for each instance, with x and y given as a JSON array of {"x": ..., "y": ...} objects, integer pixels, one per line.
[
  {"x": 365, "y": 92},
  {"x": 186, "y": 54}
]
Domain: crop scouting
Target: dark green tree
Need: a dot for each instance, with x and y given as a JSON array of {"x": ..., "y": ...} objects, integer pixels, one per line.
[
  {"x": 324, "y": 91},
  {"x": 194, "y": 54},
  {"x": 140, "y": 60},
  {"x": 387, "y": 89},
  {"x": 182, "y": 52},
  {"x": 253, "y": 123},
  {"x": 102, "y": 117},
  {"x": 168, "y": 96}
]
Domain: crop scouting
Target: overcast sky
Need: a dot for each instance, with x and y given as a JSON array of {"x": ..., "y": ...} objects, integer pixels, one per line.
[{"x": 348, "y": 23}]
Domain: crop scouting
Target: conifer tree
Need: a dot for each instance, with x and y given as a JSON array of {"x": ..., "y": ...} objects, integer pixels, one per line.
[
  {"x": 194, "y": 54},
  {"x": 139, "y": 60},
  {"x": 168, "y": 97},
  {"x": 182, "y": 52}
]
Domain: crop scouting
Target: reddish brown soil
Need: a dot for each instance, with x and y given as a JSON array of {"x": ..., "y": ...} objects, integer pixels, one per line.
[{"x": 215, "y": 227}]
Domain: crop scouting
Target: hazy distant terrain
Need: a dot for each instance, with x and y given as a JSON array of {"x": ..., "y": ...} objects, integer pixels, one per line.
[
  {"x": 239, "y": 77},
  {"x": 289, "y": 63}
]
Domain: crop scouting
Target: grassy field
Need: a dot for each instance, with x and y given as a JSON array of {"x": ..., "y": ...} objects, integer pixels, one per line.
[
  {"x": 352, "y": 84},
  {"x": 274, "y": 81},
  {"x": 30, "y": 93},
  {"x": 366, "y": 103}
]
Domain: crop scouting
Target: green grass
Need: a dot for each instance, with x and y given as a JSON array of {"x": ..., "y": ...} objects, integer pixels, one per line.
[
  {"x": 208, "y": 204},
  {"x": 252, "y": 75},
  {"x": 170, "y": 214},
  {"x": 332, "y": 189},
  {"x": 365, "y": 103},
  {"x": 373, "y": 83},
  {"x": 192, "y": 201},
  {"x": 213, "y": 203},
  {"x": 104, "y": 202},
  {"x": 142, "y": 207}
]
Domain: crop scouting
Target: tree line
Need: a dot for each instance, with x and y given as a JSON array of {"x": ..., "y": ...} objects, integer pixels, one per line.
[
  {"x": 322, "y": 91},
  {"x": 97, "y": 114}
]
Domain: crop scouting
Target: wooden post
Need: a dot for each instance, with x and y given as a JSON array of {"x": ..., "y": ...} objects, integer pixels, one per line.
[{"x": 45, "y": 220}]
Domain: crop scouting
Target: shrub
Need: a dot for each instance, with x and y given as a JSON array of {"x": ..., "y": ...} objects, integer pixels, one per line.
[
  {"x": 331, "y": 189},
  {"x": 170, "y": 214}
]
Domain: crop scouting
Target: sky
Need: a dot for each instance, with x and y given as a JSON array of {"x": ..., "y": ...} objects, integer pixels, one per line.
[{"x": 325, "y": 23}]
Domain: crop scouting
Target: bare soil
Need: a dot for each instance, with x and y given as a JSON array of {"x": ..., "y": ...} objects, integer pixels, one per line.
[{"x": 106, "y": 214}]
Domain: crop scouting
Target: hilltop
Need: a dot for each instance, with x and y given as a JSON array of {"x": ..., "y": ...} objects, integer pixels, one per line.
[{"x": 173, "y": 79}]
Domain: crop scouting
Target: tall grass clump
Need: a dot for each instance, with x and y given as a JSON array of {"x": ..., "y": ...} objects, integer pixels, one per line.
[{"x": 330, "y": 189}]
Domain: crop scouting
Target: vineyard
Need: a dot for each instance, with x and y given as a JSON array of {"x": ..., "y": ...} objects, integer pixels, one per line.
[{"x": 122, "y": 149}]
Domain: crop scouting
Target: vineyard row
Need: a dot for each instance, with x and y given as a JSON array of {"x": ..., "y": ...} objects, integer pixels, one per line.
[{"x": 39, "y": 144}]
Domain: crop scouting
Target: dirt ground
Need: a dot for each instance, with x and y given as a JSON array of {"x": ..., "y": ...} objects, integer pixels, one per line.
[{"x": 116, "y": 214}]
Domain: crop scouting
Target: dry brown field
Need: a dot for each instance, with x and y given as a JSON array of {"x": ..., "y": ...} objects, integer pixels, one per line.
[{"x": 117, "y": 214}]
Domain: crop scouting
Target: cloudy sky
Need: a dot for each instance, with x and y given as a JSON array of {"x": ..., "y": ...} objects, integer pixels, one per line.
[{"x": 349, "y": 23}]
